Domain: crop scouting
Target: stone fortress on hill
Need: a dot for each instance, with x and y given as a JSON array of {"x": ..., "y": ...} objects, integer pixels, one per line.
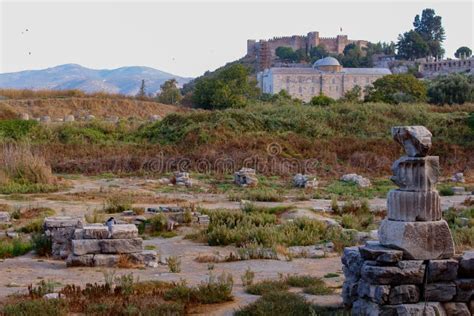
[
  {"x": 264, "y": 50},
  {"x": 304, "y": 81}
]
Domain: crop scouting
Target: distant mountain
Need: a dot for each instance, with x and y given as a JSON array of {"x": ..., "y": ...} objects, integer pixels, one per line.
[{"x": 125, "y": 80}]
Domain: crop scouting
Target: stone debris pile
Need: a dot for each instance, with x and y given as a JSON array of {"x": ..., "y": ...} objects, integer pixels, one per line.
[
  {"x": 357, "y": 179},
  {"x": 303, "y": 181},
  {"x": 246, "y": 177},
  {"x": 98, "y": 245},
  {"x": 182, "y": 178},
  {"x": 411, "y": 270},
  {"x": 458, "y": 177},
  {"x": 4, "y": 217}
]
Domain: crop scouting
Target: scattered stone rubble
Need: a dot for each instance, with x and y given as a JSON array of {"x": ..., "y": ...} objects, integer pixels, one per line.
[
  {"x": 411, "y": 270},
  {"x": 96, "y": 245},
  {"x": 303, "y": 181},
  {"x": 182, "y": 178},
  {"x": 61, "y": 231},
  {"x": 357, "y": 179},
  {"x": 69, "y": 118},
  {"x": 246, "y": 177},
  {"x": 458, "y": 177}
]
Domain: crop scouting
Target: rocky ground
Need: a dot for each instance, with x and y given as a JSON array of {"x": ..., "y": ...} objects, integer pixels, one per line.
[{"x": 83, "y": 195}]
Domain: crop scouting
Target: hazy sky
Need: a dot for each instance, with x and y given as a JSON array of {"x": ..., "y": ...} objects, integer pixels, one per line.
[{"x": 189, "y": 37}]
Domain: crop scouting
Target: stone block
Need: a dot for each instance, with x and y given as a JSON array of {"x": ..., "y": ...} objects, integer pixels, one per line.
[
  {"x": 4, "y": 217},
  {"x": 416, "y": 174},
  {"x": 411, "y": 206},
  {"x": 456, "y": 309},
  {"x": 85, "y": 246},
  {"x": 117, "y": 246},
  {"x": 405, "y": 272},
  {"x": 95, "y": 232},
  {"x": 349, "y": 292},
  {"x": 147, "y": 257},
  {"x": 442, "y": 270},
  {"x": 352, "y": 261},
  {"x": 63, "y": 221},
  {"x": 101, "y": 260},
  {"x": 464, "y": 290},
  {"x": 124, "y": 231},
  {"x": 440, "y": 292},
  {"x": 466, "y": 265},
  {"x": 78, "y": 234},
  {"x": 376, "y": 293},
  {"x": 365, "y": 307},
  {"x": 419, "y": 309},
  {"x": 416, "y": 140},
  {"x": 404, "y": 294},
  {"x": 418, "y": 240},
  {"x": 80, "y": 261},
  {"x": 379, "y": 253}
]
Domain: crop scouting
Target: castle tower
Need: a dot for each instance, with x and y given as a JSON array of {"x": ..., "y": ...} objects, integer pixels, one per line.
[{"x": 251, "y": 48}]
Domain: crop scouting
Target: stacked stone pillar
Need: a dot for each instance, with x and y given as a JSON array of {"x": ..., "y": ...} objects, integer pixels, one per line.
[{"x": 412, "y": 269}]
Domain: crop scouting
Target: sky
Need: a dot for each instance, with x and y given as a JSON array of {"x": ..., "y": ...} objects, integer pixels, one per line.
[{"x": 187, "y": 38}]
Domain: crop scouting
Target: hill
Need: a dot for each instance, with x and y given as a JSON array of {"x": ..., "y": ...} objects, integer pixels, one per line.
[{"x": 125, "y": 80}]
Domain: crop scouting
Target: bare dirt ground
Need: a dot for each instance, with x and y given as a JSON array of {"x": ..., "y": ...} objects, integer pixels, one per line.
[{"x": 86, "y": 194}]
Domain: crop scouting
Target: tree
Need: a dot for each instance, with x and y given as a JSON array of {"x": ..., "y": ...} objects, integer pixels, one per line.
[
  {"x": 169, "y": 93},
  {"x": 412, "y": 46},
  {"x": 353, "y": 95},
  {"x": 396, "y": 89},
  {"x": 322, "y": 100},
  {"x": 286, "y": 54},
  {"x": 230, "y": 87},
  {"x": 451, "y": 89},
  {"x": 142, "y": 92},
  {"x": 430, "y": 28},
  {"x": 463, "y": 51},
  {"x": 318, "y": 52},
  {"x": 354, "y": 57}
]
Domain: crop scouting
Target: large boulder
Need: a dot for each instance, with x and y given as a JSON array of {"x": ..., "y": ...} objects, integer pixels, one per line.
[
  {"x": 418, "y": 240},
  {"x": 357, "y": 179},
  {"x": 246, "y": 177}
]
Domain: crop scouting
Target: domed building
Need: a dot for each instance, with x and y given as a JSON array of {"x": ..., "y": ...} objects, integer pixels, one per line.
[{"x": 326, "y": 76}]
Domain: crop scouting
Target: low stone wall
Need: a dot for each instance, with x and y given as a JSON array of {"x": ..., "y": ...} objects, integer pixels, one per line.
[
  {"x": 97, "y": 245},
  {"x": 380, "y": 281}
]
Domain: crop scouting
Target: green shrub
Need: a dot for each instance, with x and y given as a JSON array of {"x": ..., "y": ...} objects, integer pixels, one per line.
[
  {"x": 302, "y": 280},
  {"x": 260, "y": 195},
  {"x": 158, "y": 223},
  {"x": 446, "y": 191},
  {"x": 51, "y": 307},
  {"x": 278, "y": 303},
  {"x": 41, "y": 244},
  {"x": 14, "y": 247},
  {"x": 322, "y": 100},
  {"x": 118, "y": 203},
  {"x": 16, "y": 129},
  {"x": 397, "y": 88},
  {"x": 451, "y": 89},
  {"x": 174, "y": 264},
  {"x": 248, "y": 277},
  {"x": 318, "y": 289},
  {"x": 267, "y": 286}
]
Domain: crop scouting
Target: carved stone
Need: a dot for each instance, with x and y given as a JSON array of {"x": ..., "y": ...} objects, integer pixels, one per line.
[
  {"x": 413, "y": 206},
  {"x": 416, "y": 140},
  {"x": 416, "y": 173},
  {"x": 418, "y": 240}
]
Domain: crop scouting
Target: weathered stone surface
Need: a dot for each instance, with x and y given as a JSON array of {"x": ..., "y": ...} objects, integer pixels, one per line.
[
  {"x": 349, "y": 292},
  {"x": 418, "y": 240},
  {"x": 85, "y": 246},
  {"x": 416, "y": 140},
  {"x": 413, "y": 206},
  {"x": 63, "y": 221},
  {"x": 442, "y": 270},
  {"x": 95, "y": 232},
  {"x": 416, "y": 174},
  {"x": 464, "y": 290},
  {"x": 78, "y": 233},
  {"x": 357, "y": 179},
  {"x": 471, "y": 306},
  {"x": 101, "y": 260},
  {"x": 377, "y": 252},
  {"x": 80, "y": 261},
  {"x": 246, "y": 177},
  {"x": 352, "y": 261},
  {"x": 440, "y": 292},
  {"x": 456, "y": 309},
  {"x": 405, "y": 272},
  {"x": 365, "y": 307},
  {"x": 303, "y": 181},
  {"x": 124, "y": 231},
  {"x": 458, "y": 177},
  {"x": 404, "y": 294},
  {"x": 147, "y": 257},
  {"x": 4, "y": 217},
  {"x": 419, "y": 309},
  {"x": 466, "y": 265},
  {"x": 376, "y": 293},
  {"x": 117, "y": 246}
]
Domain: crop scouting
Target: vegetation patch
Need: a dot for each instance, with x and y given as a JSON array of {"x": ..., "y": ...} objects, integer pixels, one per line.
[{"x": 14, "y": 247}]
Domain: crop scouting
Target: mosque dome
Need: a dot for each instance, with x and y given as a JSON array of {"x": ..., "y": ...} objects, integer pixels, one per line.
[{"x": 326, "y": 61}]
